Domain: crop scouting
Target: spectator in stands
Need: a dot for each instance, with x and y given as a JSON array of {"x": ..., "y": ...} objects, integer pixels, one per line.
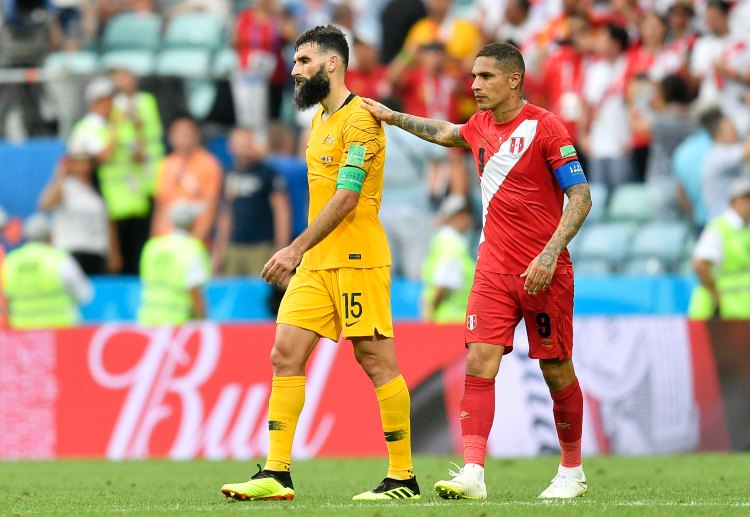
[
  {"x": 80, "y": 223},
  {"x": 140, "y": 140},
  {"x": 189, "y": 173},
  {"x": 368, "y": 77},
  {"x": 70, "y": 23},
  {"x": 44, "y": 285},
  {"x": 255, "y": 218},
  {"x": 282, "y": 157},
  {"x": 719, "y": 65},
  {"x": 260, "y": 34},
  {"x": 561, "y": 84},
  {"x": 405, "y": 207},
  {"x": 174, "y": 271},
  {"x": 723, "y": 164},
  {"x": 606, "y": 135},
  {"x": 448, "y": 270},
  {"x": 667, "y": 125},
  {"x": 106, "y": 9},
  {"x": 396, "y": 20},
  {"x": 722, "y": 261},
  {"x": 311, "y": 13},
  {"x": 98, "y": 135},
  {"x": 679, "y": 20},
  {"x": 687, "y": 166}
]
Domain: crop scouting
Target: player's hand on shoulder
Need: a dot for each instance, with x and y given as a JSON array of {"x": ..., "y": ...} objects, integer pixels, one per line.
[
  {"x": 379, "y": 111},
  {"x": 540, "y": 272},
  {"x": 278, "y": 270}
]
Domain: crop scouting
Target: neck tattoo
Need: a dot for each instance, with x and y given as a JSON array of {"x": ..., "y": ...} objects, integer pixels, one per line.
[{"x": 505, "y": 115}]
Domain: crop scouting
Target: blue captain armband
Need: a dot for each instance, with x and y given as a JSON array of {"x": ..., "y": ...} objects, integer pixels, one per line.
[{"x": 570, "y": 174}]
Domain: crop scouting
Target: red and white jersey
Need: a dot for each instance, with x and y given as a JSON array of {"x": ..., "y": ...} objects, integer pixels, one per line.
[{"x": 522, "y": 201}]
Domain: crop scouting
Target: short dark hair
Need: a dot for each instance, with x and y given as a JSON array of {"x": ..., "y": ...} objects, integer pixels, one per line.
[
  {"x": 327, "y": 38},
  {"x": 711, "y": 120},
  {"x": 619, "y": 35},
  {"x": 721, "y": 5},
  {"x": 507, "y": 55},
  {"x": 674, "y": 89}
]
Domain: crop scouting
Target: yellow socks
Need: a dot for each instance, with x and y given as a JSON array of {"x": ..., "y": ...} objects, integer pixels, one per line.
[
  {"x": 284, "y": 408},
  {"x": 395, "y": 405}
]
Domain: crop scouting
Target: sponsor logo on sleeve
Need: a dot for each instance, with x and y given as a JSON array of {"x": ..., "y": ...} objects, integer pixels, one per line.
[
  {"x": 567, "y": 150},
  {"x": 356, "y": 155}
]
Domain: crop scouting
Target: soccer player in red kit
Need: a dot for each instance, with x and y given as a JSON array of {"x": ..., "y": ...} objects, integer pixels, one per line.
[{"x": 526, "y": 162}]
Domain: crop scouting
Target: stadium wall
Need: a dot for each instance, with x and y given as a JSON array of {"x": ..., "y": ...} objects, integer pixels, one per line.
[{"x": 652, "y": 385}]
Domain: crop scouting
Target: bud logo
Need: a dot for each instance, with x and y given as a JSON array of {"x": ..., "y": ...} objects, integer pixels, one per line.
[{"x": 167, "y": 390}]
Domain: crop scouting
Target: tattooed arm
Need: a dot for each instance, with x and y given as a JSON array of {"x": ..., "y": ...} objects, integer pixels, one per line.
[
  {"x": 539, "y": 273},
  {"x": 435, "y": 131}
]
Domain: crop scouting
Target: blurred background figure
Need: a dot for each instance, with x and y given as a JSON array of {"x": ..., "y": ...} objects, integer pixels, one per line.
[
  {"x": 3, "y": 302},
  {"x": 140, "y": 140},
  {"x": 449, "y": 267},
  {"x": 405, "y": 208},
  {"x": 722, "y": 261},
  {"x": 174, "y": 270},
  {"x": 366, "y": 77},
  {"x": 44, "y": 285},
  {"x": 80, "y": 224},
  {"x": 255, "y": 216},
  {"x": 189, "y": 173}
]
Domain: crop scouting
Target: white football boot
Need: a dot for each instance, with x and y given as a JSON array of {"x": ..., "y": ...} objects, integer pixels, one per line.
[
  {"x": 569, "y": 483},
  {"x": 467, "y": 483}
]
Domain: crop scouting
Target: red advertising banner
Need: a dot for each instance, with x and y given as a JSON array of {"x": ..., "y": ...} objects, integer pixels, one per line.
[{"x": 122, "y": 391}]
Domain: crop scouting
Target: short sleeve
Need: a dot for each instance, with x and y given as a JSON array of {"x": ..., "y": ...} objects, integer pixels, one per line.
[
  {"x": 363, "y": 140},
  {"x": 198, "y": 273},
  {"x": 469, "y": 132},
  {"x": 709, "y": 247},
  {"x": 555, "y": 142}
]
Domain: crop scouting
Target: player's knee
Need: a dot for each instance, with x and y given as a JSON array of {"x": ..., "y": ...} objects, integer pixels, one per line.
[
  {"x": 285, "y": 361},
  {"x": 378, "y": 368},
  {"x": 481, "y": 362},
  {"x": 557, "y": 374}
]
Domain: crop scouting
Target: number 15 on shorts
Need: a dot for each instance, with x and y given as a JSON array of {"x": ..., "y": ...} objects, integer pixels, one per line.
[{"x": 352, "y": 306}]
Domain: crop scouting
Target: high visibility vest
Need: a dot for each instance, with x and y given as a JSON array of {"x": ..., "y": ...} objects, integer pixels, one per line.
[
  {"x": 34, "y": 288},
  {"x": 165, "y": 263},
  {"x": 446, "y": 245},
  {"x": 732, "y": 276}
]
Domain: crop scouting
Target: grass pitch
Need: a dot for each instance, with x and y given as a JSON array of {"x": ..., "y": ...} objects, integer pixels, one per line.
[{"x": 682, "y": 485}]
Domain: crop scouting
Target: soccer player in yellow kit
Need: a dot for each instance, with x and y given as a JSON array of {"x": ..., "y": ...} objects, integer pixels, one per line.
[{"x": 343, "y": 279}]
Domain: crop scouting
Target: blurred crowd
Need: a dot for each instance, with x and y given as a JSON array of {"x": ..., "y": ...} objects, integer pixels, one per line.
[{"x": 655, "y": 92}]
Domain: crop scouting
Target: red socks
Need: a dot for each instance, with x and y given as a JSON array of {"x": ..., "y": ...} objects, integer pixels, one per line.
[
  {"x": 568, "y": 410},
  {"x": 477, "y": 413}
]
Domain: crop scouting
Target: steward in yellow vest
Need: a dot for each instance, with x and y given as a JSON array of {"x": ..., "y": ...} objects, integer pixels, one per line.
[
  {"x": 43, "y": 284},
  {"x": 722, "y": 261},
  {"x": 448, "y": 269},
  {"x": 174, "y": 269}
]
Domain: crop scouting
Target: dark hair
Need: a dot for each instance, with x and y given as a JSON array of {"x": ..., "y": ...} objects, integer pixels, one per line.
[
  {"x": 711, "y": 120},
  {"x": 721, "y": 5},
  {"x": 328, "y": 39},
  {"x": 674, "y": 89},
  {"x": 618, "y": 34},
  {"x": 507, "y": 55}
]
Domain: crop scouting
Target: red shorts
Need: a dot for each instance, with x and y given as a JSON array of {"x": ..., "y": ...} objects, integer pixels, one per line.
[{"x": 497, "y": 302}]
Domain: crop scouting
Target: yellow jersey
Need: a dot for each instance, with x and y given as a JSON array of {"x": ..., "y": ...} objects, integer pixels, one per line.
[{"x": 359, "y": 241}]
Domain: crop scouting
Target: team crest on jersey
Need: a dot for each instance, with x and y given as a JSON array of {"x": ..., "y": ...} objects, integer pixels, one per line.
[
  {"x": 471, "y": 321},
  {"x": 516, "y": 144},
  {"x": 328, "y": 140}
]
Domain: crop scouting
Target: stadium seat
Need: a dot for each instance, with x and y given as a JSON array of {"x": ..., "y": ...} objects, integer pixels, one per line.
[
  {"x": 131, "y": 31},
  {"x": 630, "y": 202},
  {"x": 193, "y": 65},
  {"x": 194, "y": 30},
  {"x": 141, "y": 62},
  {"x": 606, "y": 241},
  {"x": 660, "y": 242},
  {"x": 591, "y": 267},
  {"x": 645, "y": 266},
  {"x": 81, "y": 62}
]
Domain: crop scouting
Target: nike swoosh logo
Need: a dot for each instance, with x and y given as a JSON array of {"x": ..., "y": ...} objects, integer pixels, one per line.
[{"x": 350, "y": 324}]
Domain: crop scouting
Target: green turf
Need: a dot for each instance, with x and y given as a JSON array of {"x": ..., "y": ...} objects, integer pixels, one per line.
[{"x": 684, "y": 485}]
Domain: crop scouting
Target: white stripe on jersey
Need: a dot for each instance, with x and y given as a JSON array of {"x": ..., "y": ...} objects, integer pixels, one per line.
[{"x": 501, "y": 163}]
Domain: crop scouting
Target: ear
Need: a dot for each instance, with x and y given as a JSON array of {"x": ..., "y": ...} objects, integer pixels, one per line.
[
  {"x": 515, "y": 80},
  {"x": 333, "y": 63}
]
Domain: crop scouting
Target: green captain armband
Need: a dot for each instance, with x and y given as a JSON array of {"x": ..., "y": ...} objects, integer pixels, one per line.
[{"x": 350, "y": 178}]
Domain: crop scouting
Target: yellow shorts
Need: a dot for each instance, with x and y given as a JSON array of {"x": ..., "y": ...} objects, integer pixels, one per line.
[{"x": 357, "y": 301}]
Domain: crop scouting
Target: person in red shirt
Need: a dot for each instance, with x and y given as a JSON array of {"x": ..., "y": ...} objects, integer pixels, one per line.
[
  {"x": 368, "y": 78},
  {"x": 527, "y": 163}
]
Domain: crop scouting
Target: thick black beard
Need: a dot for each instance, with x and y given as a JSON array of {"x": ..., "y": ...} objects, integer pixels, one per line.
[{"x": 312, "y": 91}]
